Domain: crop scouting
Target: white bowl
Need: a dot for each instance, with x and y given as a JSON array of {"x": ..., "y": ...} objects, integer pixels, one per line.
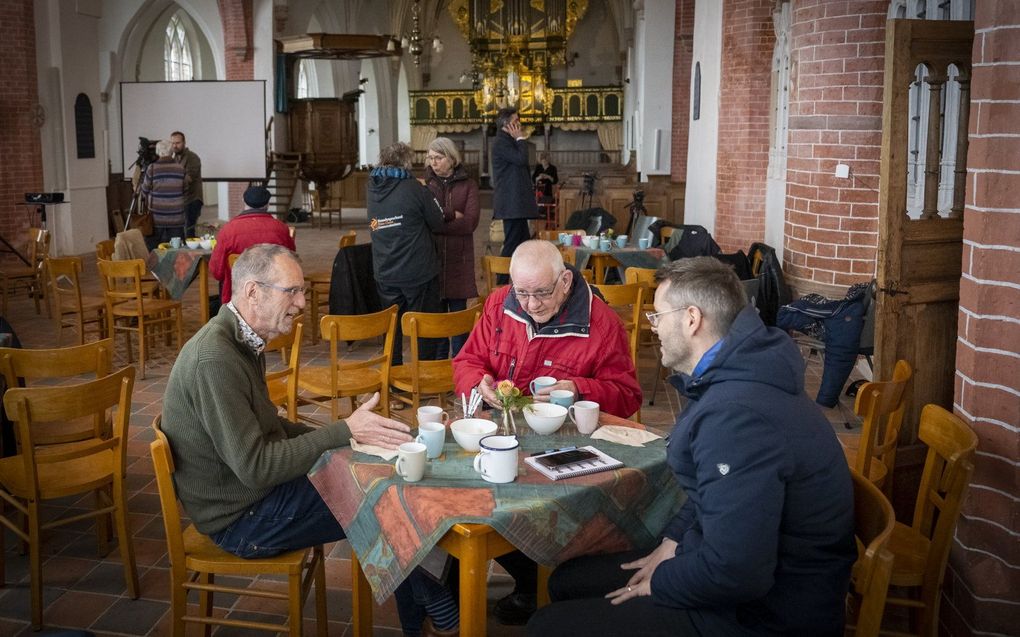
[
  {"x": 470, "y": 431},
  {"x": 194, "y": 244},
  {"x": 206, "y": 244},
  {"x": 545, "y": 418}
]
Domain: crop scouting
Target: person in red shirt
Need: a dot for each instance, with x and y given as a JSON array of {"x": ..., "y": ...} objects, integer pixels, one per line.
[{"x": 253, "y": 226}]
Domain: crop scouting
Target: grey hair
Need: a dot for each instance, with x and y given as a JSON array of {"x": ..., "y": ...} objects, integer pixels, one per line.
[
  {"x": 400, "y": 155},
  {"x": 257, "y": 264},
  {"x": 445, "y": 147},
  {"x": 708, "y": 284},
  {"x": 537, "y": 252},
  {"x": 164, "y": 148}
]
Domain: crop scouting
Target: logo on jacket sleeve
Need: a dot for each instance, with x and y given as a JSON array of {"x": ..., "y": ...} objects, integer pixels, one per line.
[{"x": 723, "y": 468}]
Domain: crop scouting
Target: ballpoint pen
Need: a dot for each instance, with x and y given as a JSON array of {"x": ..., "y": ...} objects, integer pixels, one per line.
[{"x": 542, "y": 453}]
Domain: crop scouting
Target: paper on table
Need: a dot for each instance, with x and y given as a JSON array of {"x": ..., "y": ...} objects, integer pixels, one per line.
[
  {"x": 374, "y": 450},
  {"x": 624, "y": 435}
]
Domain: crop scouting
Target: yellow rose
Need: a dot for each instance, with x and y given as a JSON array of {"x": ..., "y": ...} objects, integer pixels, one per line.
[
  {"x": 505, "y": 388},
  {"x": 516, "y": 392}
]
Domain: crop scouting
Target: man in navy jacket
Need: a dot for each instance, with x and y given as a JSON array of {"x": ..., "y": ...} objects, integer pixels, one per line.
[{"x": 764, "y": 543}]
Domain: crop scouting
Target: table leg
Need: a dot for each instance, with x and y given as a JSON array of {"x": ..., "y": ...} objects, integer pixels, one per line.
[
  {"x": 203, "y": 288},
  {"x": 543, "y": 584},
  {"x": 361, "y": 600},
  {"x": 473, "y": 575}
]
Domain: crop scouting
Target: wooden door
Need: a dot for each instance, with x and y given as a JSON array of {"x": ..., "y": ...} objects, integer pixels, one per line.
[{"x": 919, "y": 259}]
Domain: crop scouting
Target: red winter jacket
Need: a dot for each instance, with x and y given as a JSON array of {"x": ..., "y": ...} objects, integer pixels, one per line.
[
  {"x": 585, "y": 343},
  {"x": 240, "y": 233}
]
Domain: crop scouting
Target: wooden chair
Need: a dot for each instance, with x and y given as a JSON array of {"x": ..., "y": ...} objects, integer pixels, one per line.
[
  {"x": 129, "y": 310},
  {"x": 493, "y": 266},
  {"x": 195, "y": 561},
  {"x": 627, "y": 300},
  {"x": 348, "y": 378},
  {"x": 28, "y": 367},
  {"x": 40, "y": 473},
  {"x": 429, "y": 377},
  {"x": 666, "y": 233},
  {"x": 32, "y": 276},
  {"x": 104, "y": 250},
  {"x": 283, "y": 383},
  {"x": 554, "y": 235},
  {"x": 920, "y": 551},
  {"x": 321, "y": 206},
  {"x": 646, "y": 338},
  {"x": 72, "y": 309},
  {"x": 881, "y": 406},
  {"x": 318, "y": 286},
  {"x": 873, "y": 526}
]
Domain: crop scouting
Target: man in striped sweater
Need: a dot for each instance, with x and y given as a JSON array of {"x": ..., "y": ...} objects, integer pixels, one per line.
[{"x": 163, "y": 188}]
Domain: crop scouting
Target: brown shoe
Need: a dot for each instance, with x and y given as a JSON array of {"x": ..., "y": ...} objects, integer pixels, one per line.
[{"x": 428, "y": 629}]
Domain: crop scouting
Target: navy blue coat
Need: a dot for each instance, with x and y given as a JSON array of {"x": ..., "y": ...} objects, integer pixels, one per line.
[
  {"x": 513, "y": 193},
  {"x": 765, "y": 539}
]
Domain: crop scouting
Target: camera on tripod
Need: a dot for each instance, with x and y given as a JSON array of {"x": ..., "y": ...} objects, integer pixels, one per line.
[
  {"x": 588, "y": 183},
  {"x": 146, "y": 152}
]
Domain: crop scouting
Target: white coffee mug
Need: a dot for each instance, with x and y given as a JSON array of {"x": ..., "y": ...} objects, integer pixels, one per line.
[
  {"x": 433, "y": 436},
  {"x": 431, "y": 413},
  {"x": 497, "y": 459},
  {"x": 410, "y": 464},
  {"x": 540, "y": 382},
  {"x": 585, "y": 414}
]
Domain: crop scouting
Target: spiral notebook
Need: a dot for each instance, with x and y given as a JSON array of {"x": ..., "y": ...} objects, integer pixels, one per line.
[{"x": 591, "y": 461}]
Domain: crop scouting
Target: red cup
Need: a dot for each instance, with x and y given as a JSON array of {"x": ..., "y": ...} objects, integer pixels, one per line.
[{"x": 576, "y": 240}]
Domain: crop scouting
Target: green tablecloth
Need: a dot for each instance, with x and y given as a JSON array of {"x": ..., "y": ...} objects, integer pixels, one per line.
[
  {"x": 392, "y": 524},
  {"x": 176, "y": 269}
]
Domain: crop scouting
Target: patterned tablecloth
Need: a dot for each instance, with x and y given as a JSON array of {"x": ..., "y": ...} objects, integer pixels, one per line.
[
  {"x": 176, "y": 269},
  {"x": 392, "y": 524}
]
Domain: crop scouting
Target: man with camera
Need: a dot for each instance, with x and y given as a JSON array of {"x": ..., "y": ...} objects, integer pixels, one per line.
[
  {"x": 192, "y": 180},
  {"x": 513, "y": 194}
]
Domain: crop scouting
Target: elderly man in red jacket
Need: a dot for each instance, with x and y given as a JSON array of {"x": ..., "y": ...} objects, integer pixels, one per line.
[{"x": 547, "y": 323}]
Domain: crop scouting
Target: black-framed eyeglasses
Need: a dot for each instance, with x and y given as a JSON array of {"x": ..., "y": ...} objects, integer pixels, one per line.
[
  {"x": 653, "y": 317},
  {"x": 294, "y": 291}
]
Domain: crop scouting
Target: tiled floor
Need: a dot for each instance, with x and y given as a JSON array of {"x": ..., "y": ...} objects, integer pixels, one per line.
[{"x": 84, "y": 591}]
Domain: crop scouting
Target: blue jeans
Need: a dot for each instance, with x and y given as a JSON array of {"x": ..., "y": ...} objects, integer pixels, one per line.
[
  {"x": 293, "y": 516},
  {"x": 450, "y": 348}
]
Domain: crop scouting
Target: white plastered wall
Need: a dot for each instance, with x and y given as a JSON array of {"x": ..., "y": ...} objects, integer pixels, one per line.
[{"x": 703, "y": 142}]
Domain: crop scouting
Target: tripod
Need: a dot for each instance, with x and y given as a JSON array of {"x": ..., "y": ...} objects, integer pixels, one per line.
[{"x": 136, "y": 195}]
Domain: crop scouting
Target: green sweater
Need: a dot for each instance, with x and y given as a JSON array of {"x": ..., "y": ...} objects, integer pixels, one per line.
[{"x": 230, "y": 446}]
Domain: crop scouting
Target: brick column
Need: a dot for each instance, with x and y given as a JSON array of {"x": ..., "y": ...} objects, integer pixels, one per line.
[
  {"x": 835, "y": 117},
  {"x": 239, "y": 49},
  {"x": 748, "y": 40},
  {"x": 20, "y": 148},
  {"x": 982, "y": 585},
  {"x": 683, "y": 45}
]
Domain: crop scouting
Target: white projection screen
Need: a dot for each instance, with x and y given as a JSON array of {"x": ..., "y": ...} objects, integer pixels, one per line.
[{"x": 224, "y": 123}]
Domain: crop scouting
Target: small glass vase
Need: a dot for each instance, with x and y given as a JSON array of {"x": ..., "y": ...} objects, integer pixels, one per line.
[{"x": 507, "y": 423}]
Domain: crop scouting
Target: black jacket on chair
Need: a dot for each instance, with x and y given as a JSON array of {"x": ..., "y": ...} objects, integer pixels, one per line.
[
  {"x": 772, "y": 289},
  {"x": 352, "y": 288}
]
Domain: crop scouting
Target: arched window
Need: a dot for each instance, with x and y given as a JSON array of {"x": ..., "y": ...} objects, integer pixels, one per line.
[{"x": 177, "y": 52}]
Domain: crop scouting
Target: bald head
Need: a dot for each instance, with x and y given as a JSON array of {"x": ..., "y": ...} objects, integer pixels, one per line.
[{"x": 535, "y": 257}]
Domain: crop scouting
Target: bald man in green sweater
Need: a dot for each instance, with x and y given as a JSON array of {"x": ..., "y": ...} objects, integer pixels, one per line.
[{"x": 240, "y": 466}]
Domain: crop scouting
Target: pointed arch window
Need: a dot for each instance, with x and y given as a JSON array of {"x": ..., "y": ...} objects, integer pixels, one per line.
[{"x": 177, "y": 52}]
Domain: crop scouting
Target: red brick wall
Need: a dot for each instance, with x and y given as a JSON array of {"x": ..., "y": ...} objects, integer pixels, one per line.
[
  {"x": 20, "y": 148},
  {"x": 748, "y": 41},
  {"x": 982, "y": 586},
  {"x": 683, "y": 45},
  {"x": 238, "y": 26},
  {"x": 835, "y": 117}
]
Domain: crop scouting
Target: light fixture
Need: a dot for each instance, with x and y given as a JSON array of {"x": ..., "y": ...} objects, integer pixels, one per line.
[
  {"x": 414, "y": 42},
  {"x": 514, "y": 46}
]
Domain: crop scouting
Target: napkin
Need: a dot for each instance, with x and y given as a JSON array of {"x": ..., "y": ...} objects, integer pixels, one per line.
[
  {"x": 624, "y": 435},
  {"x": 374, "y": 450}
]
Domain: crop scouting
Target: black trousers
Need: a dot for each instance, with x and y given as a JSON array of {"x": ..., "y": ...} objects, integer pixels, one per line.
[
  {"x": 578, "y": 588},
  {"x": 515, "y": 232},
  {"x": 411, "y": 298}
]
